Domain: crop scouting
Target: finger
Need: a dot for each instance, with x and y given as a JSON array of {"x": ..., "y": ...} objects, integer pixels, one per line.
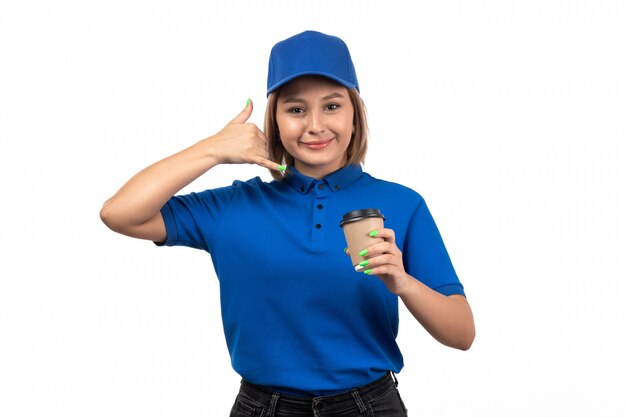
[
  {"x": 374, "y": 262},
  {"x": 378, "y": 249},
  {"x": 388, "y": 234},
  {"x": 381, "y": 270},
  {"x": 266, "y": 163},
  {"x": 245, "y": 113}
]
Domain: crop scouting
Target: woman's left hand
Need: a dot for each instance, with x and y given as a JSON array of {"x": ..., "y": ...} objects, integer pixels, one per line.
[
  {"x": 384, "y": 260},
  {"x": 448, "y": 319}
]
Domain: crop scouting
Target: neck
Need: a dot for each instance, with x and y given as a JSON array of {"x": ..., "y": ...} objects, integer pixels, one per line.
[{"x": 316, "y": 172}]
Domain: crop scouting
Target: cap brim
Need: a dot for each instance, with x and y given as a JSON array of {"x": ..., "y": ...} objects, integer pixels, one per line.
[{"x": 284, "y": 81}]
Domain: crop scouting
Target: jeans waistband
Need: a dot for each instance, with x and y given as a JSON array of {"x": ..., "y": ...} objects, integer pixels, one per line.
[{"x": 355, "y": 398}]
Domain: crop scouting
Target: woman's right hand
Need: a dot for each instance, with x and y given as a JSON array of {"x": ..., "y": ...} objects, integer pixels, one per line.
[
  {"x": 240, "y": 142},
  {"x": 135, "y": 209}
]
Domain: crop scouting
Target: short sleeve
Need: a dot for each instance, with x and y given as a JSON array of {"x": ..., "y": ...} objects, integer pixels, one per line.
[
  {"x": 425, "y": 255},
  {"x": 191, "y": 219}
]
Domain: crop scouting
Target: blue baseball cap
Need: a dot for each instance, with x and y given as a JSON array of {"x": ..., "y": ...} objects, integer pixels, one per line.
[{"x": 311, "y": 53}]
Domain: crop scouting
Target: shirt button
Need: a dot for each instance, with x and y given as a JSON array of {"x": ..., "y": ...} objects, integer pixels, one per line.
[
  {"x": 336, "y": 187},
  {"x": 319, "y": 206},
  {"x": 320, "y": 187},
  {"x": 318, "y": 226}
]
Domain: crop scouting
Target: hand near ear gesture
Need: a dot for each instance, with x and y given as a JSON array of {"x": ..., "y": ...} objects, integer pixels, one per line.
[{"x": 240, "y": 142}]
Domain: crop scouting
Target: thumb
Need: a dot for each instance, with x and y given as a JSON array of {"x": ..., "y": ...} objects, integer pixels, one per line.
[{"x": 245, "y": 114}]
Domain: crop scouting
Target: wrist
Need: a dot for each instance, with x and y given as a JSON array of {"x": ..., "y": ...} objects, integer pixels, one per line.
[
  {"x": 209, "y": 151},
  {"x": 407, "y": 287}
]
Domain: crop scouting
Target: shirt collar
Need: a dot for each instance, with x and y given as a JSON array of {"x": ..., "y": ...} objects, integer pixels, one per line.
[{"x": 336, "y": 181}]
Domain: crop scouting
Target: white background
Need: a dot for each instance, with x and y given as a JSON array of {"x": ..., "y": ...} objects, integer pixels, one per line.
[{"x": 508, "y": 117}]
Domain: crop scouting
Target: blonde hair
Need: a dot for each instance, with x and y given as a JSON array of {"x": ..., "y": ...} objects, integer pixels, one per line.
[{"x": 358, "y": 144}]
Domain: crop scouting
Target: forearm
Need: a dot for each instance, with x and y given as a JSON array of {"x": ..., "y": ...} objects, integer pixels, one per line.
[
  {"x": 448, "y": 319},
  {"x": 142, "y": 197}
]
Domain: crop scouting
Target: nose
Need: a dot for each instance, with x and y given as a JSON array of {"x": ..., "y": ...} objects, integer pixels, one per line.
[{"x": 315, "y": 122}]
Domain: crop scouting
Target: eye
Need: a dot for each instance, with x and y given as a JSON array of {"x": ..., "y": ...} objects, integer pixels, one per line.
[
  {"x": 296, "y": 110},
  {"x": 332, "y": 106}
]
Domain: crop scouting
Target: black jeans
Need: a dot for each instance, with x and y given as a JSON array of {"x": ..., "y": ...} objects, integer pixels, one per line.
[{"x": 378, "y": 399}]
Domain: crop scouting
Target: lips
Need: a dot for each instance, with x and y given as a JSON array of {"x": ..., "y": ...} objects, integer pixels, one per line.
[{"x": 318, "y": 144}]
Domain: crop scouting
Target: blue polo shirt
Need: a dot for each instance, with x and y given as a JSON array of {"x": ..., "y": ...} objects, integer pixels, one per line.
[{"x": 297, "y": 317}]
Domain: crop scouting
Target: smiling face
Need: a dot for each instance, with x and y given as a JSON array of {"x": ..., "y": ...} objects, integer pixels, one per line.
[{"x": 315, "y": 119}]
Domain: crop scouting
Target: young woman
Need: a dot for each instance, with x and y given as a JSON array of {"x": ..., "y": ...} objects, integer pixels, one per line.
[{"x": 308, "y": 334}]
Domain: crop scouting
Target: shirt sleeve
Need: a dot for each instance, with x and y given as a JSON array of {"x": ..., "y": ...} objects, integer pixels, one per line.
[
  {"x": 425, "y": 255},
  {"x": 191, "y": 219}
]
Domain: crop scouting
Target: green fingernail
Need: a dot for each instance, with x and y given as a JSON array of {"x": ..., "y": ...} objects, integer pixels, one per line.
[
  {"x": 374, "y": 233},
  {"x": 248, "y": 102},
  {"x": 364, "y": 263},
  {"x": 282, "y": 167},
  {"x": 345, "y": 250},
  {"x": 363, "y": 252},
  {"x": 367, "y": 271}
]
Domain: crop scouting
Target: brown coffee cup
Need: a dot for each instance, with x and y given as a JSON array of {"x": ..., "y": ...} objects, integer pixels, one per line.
[{"x": 356, "y": 226}]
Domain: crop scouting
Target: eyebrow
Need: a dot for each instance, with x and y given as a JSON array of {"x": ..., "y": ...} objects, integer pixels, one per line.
[{"x": 299, "y": 100}]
